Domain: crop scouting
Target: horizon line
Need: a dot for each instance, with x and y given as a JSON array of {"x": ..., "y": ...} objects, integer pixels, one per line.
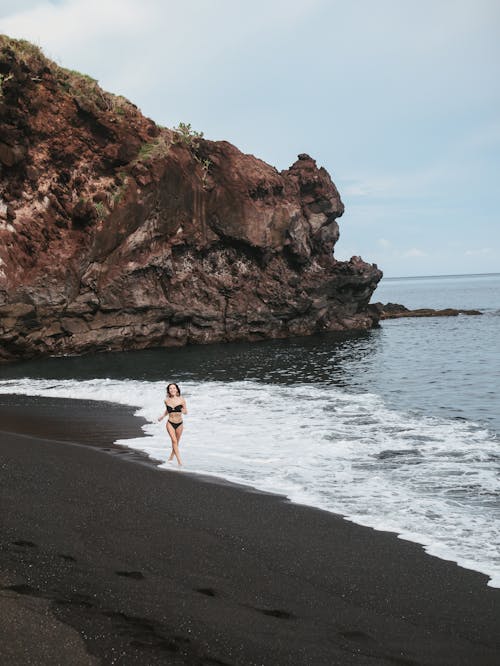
[{"x": 414, "y": 277}]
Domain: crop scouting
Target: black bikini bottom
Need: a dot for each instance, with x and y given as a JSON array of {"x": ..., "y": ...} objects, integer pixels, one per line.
[{"x": 175, "y": 425}]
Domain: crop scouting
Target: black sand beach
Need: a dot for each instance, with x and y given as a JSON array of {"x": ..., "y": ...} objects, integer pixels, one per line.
[{"x": 104, "y": 560}]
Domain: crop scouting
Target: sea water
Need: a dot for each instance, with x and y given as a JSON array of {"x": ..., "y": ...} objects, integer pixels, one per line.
[{"x": 397, "y": 428}]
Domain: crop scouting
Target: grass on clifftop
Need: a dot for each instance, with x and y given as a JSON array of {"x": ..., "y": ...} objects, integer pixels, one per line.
[
  {"x": 26, "y": 52},
  {"x": 83, "y": 88}
]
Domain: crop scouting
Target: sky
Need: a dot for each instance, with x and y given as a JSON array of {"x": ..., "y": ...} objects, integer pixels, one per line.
[{"x": 398, "y": 99}]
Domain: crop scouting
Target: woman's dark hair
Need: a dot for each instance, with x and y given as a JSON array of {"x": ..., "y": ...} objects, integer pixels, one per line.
[{"x": 172, "y": 384}]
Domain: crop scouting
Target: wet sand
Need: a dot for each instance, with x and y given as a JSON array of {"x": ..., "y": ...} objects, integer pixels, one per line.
[{"x": 116, "y": 562}]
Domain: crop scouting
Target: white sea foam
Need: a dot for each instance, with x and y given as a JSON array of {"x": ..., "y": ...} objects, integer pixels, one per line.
[{"x": 432, "y": 481}]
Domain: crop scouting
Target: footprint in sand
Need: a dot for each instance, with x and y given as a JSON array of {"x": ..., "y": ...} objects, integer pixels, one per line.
[
  {"x": 68, "y": 558},
  {"x": 136, "y": 575},
  {"x": 276, "y": 612},
  {"x": 24, "y": 544},
  {"x": 208, "y": 591}
]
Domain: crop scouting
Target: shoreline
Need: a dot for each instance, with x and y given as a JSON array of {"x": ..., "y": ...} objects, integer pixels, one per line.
[
  {"x": 173, "y": 568},
  {"x": 126, "y": 425},
  {"x": 47, "y": 419}
]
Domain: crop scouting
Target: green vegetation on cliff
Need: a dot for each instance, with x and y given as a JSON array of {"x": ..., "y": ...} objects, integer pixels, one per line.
[{"x": 22, "y": 59}]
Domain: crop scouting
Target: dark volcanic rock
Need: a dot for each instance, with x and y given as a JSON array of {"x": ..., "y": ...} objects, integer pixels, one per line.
[
  {"x": 396, "y": 311},
  {"x": 117, "y": 234}
]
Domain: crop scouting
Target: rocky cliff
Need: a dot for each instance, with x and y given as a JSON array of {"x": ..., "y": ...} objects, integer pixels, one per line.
[{"x": 118, "y": 234}]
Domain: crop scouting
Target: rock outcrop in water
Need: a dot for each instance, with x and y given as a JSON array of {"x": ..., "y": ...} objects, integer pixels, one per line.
[
  {"x": 118, "y": 234},
  {"x": 398, "y": 311}
]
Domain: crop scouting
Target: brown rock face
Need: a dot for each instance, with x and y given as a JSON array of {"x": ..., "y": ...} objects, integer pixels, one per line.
[{"x": 117, "y": 234}]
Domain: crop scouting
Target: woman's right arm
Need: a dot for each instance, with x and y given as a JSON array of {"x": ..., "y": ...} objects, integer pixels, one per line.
[{"x": 164, "y": 413}]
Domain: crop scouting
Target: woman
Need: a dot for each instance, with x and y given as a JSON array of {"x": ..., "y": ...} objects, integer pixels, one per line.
[{"x": 175, "y": 406}]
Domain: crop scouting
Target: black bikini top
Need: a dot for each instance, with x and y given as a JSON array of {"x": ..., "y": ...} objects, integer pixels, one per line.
[{"x": 177, "y": 408}]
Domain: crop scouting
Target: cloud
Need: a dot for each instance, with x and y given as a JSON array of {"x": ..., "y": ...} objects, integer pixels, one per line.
[
  {"x": 389, "y": 249},
  {"x": 455, "y": 167},
  {"x": 478, "y": 253},
  {"x": 357, "y": 190},
  {"x": 414, "y": 252},
  {"x": 8, "y": 8}
]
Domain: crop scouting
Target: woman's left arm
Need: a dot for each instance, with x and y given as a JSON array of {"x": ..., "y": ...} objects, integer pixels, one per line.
[{"x": 184, "y": 408}]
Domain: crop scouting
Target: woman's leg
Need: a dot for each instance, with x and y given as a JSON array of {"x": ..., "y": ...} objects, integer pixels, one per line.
[
  {"x": 178, "y": 433},
  {"x": 173, "y": 439},
  {"x": 175, "y": 448}
]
